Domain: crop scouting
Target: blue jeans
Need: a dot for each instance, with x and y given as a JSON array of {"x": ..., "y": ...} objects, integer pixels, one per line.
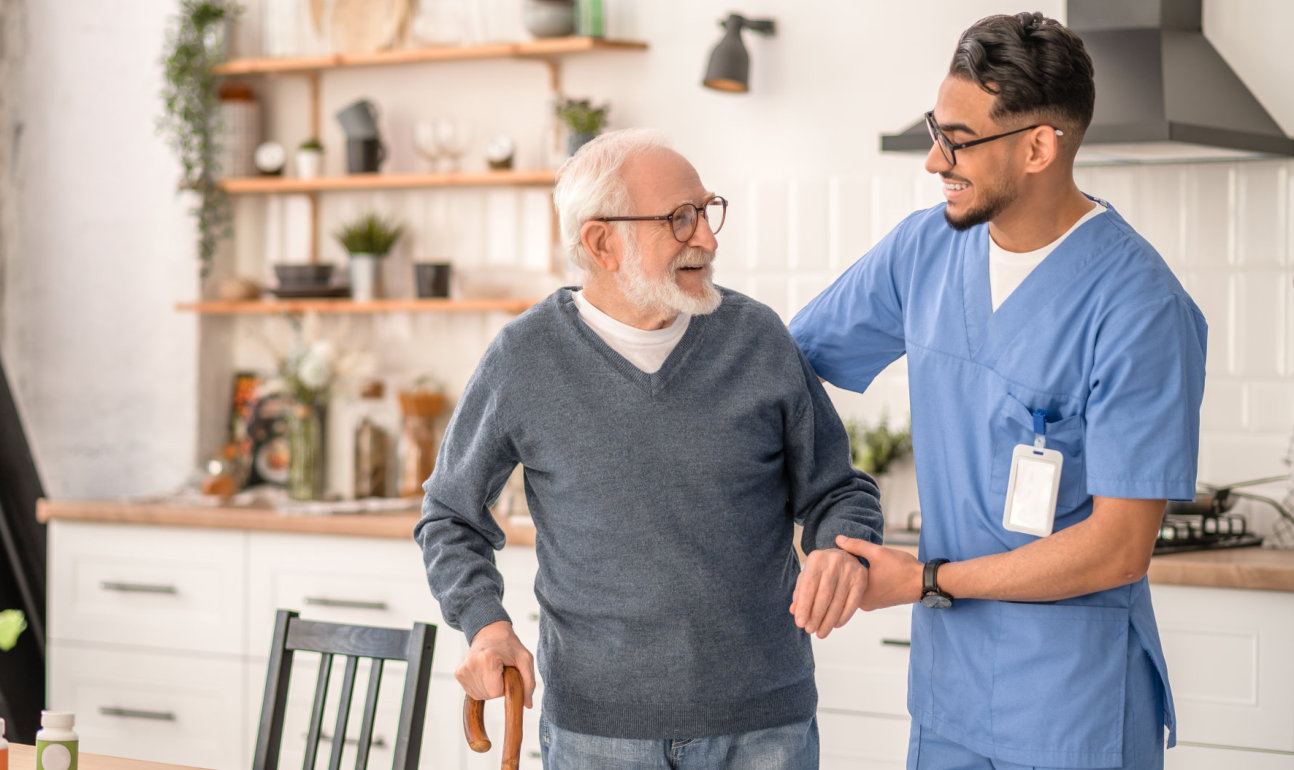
[{"x": 790, "y": 747}]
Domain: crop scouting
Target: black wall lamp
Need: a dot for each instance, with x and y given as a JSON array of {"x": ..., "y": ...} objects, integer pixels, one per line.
[{"x": 729, "y": 68}]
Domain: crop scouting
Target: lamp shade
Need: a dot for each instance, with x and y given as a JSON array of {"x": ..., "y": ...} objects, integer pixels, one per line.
[{"x": 729, "y": 66}]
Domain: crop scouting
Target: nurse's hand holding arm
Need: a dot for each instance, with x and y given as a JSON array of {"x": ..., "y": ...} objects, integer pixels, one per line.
[
  {"x": 828, "y": 590},
  {"x": 1110, "y": 548}
]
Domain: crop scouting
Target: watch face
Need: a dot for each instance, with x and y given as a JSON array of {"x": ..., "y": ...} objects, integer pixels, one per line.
[{"x": 937, "y": 601}]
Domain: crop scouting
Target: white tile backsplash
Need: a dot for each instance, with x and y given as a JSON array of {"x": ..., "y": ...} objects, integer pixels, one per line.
[{"x": 1226, "y": 229}]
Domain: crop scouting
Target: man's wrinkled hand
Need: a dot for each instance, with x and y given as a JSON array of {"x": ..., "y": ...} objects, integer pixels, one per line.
[
  {"x": 481, "y": 670},
  {"x": 828, "y": 591}
]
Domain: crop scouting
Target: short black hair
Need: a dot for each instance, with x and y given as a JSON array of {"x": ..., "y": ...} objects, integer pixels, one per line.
[{"x": 1035, "y": 66}]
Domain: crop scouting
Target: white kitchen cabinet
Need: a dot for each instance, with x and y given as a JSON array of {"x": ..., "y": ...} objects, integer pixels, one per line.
[
  {"x": 160, "y": 636},
  {"x": 1230, "y": 659},
  {"x": 178, "y": 707},
  {"x": 862, "y": 676}
]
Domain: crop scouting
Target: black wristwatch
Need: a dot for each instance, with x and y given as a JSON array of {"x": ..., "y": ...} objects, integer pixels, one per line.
[{"x": 931, "y": 596}]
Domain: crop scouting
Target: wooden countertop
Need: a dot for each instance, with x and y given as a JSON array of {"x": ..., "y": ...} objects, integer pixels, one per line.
[
  {"x": 23, "y": 757},
  {"x": 394, "y": 524},
  {"x": 1252, "y": 568}
]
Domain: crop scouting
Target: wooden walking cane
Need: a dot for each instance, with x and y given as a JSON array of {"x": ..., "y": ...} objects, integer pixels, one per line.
[{"x": 514, "y": 696}]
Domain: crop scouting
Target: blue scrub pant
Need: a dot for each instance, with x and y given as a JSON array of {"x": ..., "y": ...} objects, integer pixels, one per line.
[
  {"x": 1143, "y": 729},
  {"x": 789, "y": 747}
]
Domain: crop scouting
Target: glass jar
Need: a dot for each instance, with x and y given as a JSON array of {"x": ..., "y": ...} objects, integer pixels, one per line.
[{"x": 417, "y": 453}]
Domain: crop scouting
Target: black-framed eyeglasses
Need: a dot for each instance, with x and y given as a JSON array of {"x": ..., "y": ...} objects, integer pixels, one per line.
[
  {"x": 949, "y": 149},
  {"x": 683, "y": 220}
]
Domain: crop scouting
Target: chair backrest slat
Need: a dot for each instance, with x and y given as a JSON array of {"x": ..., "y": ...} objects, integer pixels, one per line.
[
  {"x": 317, "y": 710},
  {"x": 414, "y": 646},
  {"x": 343, "y": 712},
  {"x": 370, "y": 711}
]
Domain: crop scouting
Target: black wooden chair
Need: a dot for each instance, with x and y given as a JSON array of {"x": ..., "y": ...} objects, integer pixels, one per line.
[{"x": 293, "y": 634}]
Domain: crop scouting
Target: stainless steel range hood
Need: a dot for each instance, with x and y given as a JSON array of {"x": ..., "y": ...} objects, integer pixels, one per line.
[{"x": 1163, "y": 93}]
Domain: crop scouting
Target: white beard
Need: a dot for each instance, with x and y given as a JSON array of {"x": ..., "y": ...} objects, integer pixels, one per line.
[{"x": 664, "y": 294}]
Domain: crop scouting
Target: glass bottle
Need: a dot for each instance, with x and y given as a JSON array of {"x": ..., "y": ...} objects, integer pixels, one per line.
[
  {"x": 417, "y": 449},
  {"x": 305, "y": 452}
]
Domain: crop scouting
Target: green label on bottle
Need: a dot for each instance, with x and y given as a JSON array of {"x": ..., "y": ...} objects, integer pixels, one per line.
[{"x": 55, "y": 755}]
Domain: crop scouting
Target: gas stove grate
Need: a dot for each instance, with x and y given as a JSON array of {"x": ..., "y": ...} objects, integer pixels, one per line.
[{"x": 1203, "y": 533}]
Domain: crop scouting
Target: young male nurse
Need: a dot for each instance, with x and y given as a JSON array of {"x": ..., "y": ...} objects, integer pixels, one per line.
[{"x": 1056, "y": 371}]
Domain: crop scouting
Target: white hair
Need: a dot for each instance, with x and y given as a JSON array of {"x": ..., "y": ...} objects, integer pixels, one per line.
[{"x": 591, "y": 184}]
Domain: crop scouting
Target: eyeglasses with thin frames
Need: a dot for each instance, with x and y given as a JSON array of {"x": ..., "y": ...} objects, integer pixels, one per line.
[
  {"x": 684, "y": 220},
  {"x": 949, "y": 150}
]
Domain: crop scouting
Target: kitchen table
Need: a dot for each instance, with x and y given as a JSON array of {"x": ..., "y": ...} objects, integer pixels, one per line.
[{"x": 23, "y": 757}]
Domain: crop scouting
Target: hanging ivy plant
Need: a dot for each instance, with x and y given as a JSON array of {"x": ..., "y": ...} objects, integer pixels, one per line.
[{"x": 195, "y": 44}]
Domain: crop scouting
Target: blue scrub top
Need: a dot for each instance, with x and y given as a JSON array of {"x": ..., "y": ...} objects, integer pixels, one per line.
[{"x": 1103, "y": 337}]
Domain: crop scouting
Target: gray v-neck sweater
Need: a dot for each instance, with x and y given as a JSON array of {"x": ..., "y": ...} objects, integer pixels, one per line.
[{"x": 663, "y": 507}]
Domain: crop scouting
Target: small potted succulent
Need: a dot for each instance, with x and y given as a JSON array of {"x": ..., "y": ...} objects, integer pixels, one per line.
[
  {"x": 367, "y": 239},
  {"x": 309, "y": 158},
  {"x": 582, "y": 119}
]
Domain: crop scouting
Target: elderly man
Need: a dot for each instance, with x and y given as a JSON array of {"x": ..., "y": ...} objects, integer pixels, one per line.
[{"x": 671, "y": 434}]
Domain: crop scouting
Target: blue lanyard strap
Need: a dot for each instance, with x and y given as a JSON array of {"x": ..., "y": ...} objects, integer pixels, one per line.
[{"x": 1040, "y": 428}]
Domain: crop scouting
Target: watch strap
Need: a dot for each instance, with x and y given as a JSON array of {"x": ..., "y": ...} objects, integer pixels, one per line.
[{"x": 929, "y": 578}]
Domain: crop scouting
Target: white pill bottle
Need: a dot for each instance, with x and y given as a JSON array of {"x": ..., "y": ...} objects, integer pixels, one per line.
[{"x": 56, "y": 741}]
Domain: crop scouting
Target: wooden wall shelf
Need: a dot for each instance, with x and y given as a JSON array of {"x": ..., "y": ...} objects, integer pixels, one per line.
[
  {"x": 272, "y": 306},
  {"x": 536, "y": 49},
  {"x": 278, "y": 185}
]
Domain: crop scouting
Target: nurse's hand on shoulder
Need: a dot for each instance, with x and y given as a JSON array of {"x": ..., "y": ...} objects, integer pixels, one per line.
[
  {"x": 481, "y": 670},
  {"x": 894, "y": 577},
  {"x": 828, "y": 591}
]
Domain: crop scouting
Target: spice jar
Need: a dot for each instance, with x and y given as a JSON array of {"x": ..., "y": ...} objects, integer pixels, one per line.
[
  {"x": 417, "y": 444},
  {"x": 370, "y": 448}
]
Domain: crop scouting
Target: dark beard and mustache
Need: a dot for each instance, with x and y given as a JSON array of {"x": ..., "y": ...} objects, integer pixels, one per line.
[{"x": 995, "y": 200}]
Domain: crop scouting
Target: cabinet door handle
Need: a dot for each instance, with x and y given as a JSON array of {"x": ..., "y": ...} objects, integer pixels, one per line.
[
  {"x": 115, "y": 711},
  {"x": 138, "y": 588},
  {"x": 354, "y": 604},
  {"x": 378, "y": 741},
  {"x": 896, "y": 642}
]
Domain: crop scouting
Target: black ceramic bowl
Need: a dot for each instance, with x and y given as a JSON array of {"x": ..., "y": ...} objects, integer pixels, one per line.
[{"x": 303, "y": 276}]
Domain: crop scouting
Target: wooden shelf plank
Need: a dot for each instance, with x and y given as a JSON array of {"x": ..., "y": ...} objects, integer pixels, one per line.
[
  {"x": 278, "y": 185},
  {"x": 271, "y": 306},
  {"x": 550, "y": 47}
]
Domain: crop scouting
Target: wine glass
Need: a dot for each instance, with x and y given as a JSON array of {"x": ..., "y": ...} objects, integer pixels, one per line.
[
  {"x": 452, "y": 138},
  {"x": 426, "y": 143}
]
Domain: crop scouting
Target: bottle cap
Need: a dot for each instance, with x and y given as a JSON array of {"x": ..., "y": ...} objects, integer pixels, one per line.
[{"x": 63, "y": 720}]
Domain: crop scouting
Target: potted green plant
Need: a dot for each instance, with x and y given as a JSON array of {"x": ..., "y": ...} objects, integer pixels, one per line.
[
  {"x": 367, "y": 240},
  {"x": 309, "y": 158},
  {"x": 582, "y": 119},
  {"x": 195, "y": 44},
  {"x": 874, "y": 449}
]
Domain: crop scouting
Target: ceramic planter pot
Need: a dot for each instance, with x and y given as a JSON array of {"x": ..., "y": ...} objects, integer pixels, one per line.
[
  {"x": 365, "y": 277},
  {"x": 309, "y": 163}
]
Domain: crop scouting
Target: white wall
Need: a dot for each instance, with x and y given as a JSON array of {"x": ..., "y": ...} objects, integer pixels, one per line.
[{"x": 108, "y": 373}]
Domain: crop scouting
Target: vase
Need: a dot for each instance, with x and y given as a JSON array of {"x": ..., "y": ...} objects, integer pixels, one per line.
[{"x": 305, "y": 452}]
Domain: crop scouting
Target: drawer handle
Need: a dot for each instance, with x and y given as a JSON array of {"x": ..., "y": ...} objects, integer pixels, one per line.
[
  {"x": 114, "y": 711},
  {"x": 137, "y": 588},
  {"x": 378, "y": 741},
  {"x": 896, "y": 642},
  {"x": 323, "y": 601}
]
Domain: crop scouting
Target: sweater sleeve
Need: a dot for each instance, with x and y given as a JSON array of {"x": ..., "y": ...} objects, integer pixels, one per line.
[
  {"x": 457, "y": 532},
  {"x": 828, "y": 495}
]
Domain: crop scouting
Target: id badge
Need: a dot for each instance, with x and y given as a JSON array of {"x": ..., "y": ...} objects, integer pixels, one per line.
[{"x": 1032, "y": 489}]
